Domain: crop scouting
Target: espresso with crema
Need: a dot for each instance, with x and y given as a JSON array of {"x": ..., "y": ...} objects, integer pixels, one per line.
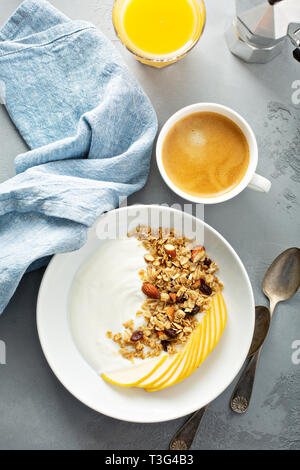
[{"x": 205, "y": 154}]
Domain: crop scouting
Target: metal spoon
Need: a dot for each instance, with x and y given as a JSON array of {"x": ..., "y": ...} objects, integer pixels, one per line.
[
  {"x": 183, "y": 439},
  {"x": 281, "y": 282}
]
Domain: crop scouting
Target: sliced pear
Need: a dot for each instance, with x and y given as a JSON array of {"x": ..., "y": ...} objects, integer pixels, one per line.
[
  {"x": 210, "y": 334},
  {"x": 132, "y": 376},
  {"x": 183, "y": 371},
  {"x": 190, "y": 363},
  {"x": 191, "y": 352},
  {"x": 203, "y": 340},
  {"x": 223, "y": 309},
  {"x": 162, "y": 372},
  {"x": 181, "y": 359},
  {"x": 197, "y": 346},
  {"x": 175, "y": 367},
  {"x": 214, "y": 326}
]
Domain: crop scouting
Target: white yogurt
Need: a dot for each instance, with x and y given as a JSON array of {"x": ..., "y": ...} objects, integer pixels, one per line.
[{"x": 105, "y": 293}]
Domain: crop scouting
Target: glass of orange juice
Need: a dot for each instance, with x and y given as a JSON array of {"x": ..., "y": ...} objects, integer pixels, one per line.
[{"x": 159, "y": 32}]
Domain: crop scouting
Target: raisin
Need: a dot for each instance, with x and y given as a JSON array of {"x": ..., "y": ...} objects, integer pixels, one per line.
[
  {"x": 136, "y": 336},
  {"x": 165, "y": 344},
  {"x": 181, "y": 299},
  {"x": 205, "y": 289},
  {"x": 171, "y": 333},
  {"x": 207, "y": 262},
  {"x": 195, "y": 310}
]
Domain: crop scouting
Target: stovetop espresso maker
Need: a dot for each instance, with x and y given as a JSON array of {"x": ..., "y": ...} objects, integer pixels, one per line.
[{"x": 261, "y": 28}]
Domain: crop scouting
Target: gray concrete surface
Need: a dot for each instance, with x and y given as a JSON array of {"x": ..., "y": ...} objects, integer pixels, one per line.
[{"x": 36, "y": 411}]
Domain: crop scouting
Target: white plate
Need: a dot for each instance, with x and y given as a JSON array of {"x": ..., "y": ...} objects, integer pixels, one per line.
[{"x": 130, "y": 404}]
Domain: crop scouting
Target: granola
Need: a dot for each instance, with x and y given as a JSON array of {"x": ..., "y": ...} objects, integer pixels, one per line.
[{"x": 179, "y": 281}]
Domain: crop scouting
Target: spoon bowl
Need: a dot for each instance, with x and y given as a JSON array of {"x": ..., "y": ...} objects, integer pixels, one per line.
[{"x": 282, "y": 279}]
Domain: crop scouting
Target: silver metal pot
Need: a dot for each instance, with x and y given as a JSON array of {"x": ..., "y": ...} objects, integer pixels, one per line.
[{"x": 261, "y": 27}]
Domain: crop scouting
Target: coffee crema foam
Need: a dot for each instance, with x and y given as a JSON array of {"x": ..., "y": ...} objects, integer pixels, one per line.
[{"x": 205, "y": 154}]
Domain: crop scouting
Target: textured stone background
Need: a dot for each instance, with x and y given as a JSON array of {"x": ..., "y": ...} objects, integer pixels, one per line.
[{"x": 36, "y": 411}]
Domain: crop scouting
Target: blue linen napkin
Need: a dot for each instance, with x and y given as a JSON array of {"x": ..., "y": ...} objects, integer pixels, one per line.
[{"x": 88, "y": 124}]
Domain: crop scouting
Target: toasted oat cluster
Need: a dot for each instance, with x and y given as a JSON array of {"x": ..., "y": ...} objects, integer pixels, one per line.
[{"x": 178, "y": 281}]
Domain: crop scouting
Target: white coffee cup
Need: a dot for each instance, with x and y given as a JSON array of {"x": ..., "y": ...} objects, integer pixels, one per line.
[{"x": 251, "y": 179}]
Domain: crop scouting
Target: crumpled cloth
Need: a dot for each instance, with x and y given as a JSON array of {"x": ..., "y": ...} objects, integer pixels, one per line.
[{"x": 89, "y": 126}]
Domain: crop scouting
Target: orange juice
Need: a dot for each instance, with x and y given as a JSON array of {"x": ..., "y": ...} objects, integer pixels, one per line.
[{"x": 160, "y": 30}]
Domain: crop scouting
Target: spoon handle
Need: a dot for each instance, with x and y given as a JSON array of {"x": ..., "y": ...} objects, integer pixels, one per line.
[
  {"x": 183, "y": 439},
  {"x": 241, "y": 396}
]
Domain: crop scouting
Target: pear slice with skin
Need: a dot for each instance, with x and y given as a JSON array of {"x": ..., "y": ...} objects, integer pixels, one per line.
[
  {"x": 189, "y": 364},
  {"x": 162, "y": 372},
  {"x": 179, "y": 363},
  {"x": 174, "y": 366},
  {"x": 193, "y": 355},
  {"x": 181, "y": 373},
  {"x": 215, "y": 321},
  {"x": 130, "y": 377},
  {"x": 203, "y": 340},
  {"x": 196, "y": 349},
  {"x": 188, "y": 367}
]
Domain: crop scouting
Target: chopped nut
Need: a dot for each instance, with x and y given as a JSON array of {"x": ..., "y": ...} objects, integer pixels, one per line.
[
  {"x": 196, "y": 251},
  {"x": 148, "y": 258},
  {"x": 170, "y": 312},
  {"x": 170, "y": 250}
]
